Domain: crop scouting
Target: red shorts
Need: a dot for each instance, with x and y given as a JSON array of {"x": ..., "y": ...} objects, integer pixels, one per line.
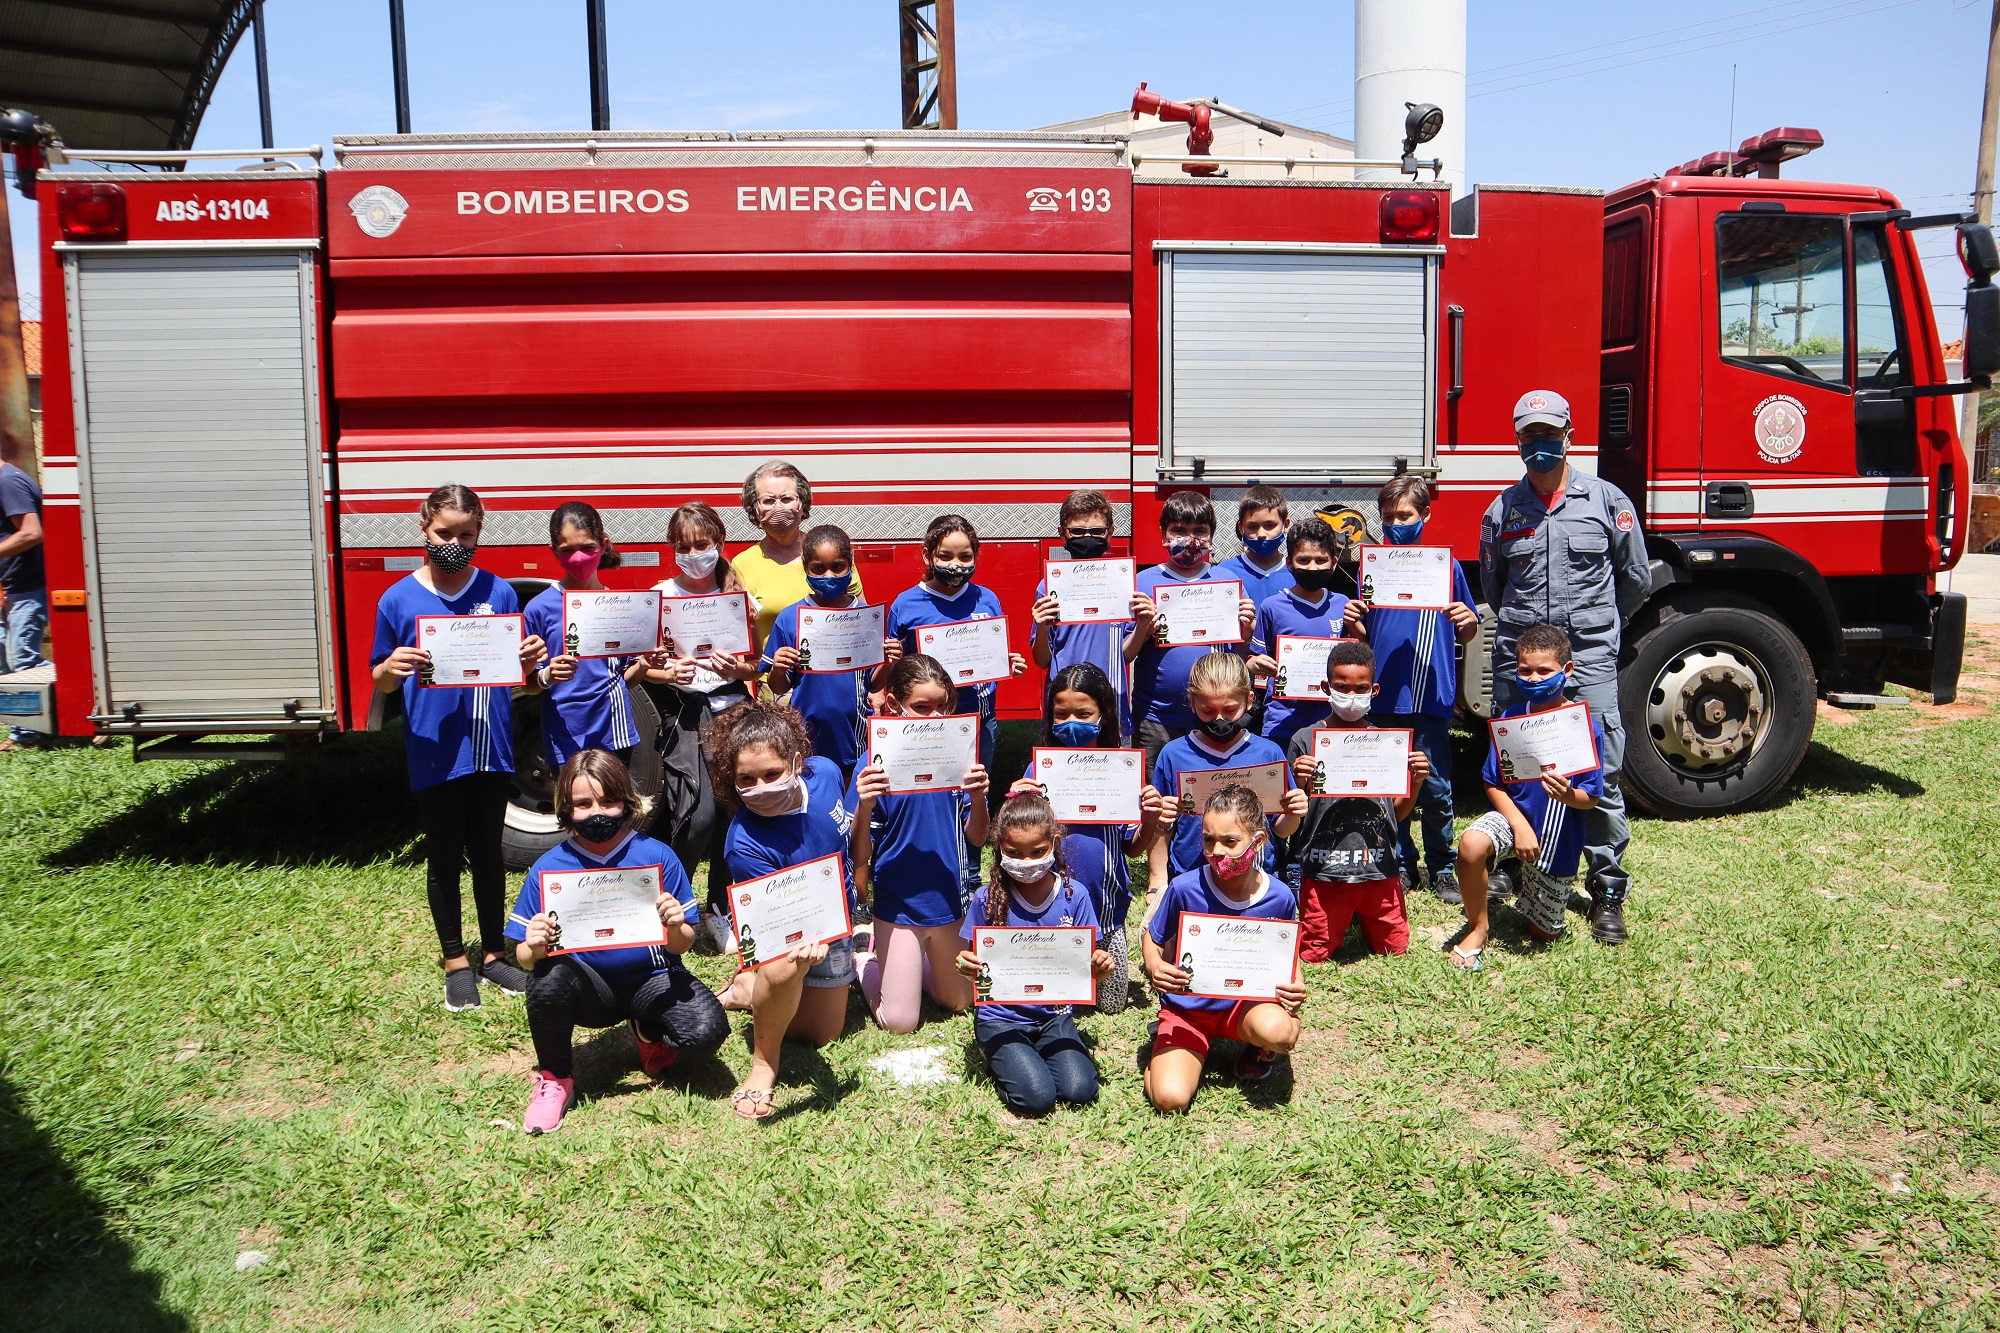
[
  {"x": 1181, "y": 1031},
  {"x": 1326, "y": 908}
]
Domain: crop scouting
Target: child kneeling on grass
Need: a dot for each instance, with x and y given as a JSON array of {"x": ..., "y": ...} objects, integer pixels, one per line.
[
  {"x": 671, "y": 1013},
  {"x": 1539, "y": 820},
  {"x": 1229, "y": 882},
  {"x": 1346, "y": 847},
  {"x": 1032, "y": 1050}
]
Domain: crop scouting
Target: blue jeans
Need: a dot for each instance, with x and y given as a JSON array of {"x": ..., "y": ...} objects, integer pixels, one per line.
[
  {"x": 1432, "y": 736},
  {"x": 23, "y": 621},
  {"x": 1036, "y": 1066}
]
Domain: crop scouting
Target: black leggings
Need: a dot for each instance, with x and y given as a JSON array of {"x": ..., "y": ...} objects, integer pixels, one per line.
[
  {"x": 462, "y": 819},
  {"x": 670, "y": 1006}
]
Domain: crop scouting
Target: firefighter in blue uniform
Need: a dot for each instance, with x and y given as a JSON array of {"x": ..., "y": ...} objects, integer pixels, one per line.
[{"x": 1564, "y": 546}]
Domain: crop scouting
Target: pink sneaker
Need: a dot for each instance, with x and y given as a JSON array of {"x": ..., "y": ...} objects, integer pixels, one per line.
[
  {"x": 657, "y": 1058},
  {"x": 547, "y": 1100}
]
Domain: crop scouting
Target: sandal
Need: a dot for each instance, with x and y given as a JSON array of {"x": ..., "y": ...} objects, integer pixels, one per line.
[
  {"x": 1475, "y": 956},
  {"x": 759, "y": 1100}
]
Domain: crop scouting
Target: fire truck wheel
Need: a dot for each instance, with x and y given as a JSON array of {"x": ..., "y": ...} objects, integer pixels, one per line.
[
  {"x": 1718, "y": 700},
  {"x": 530, "y": 827}
]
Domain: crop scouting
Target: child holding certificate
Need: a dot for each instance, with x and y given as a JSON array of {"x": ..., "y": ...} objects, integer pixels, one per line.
[
  {"x": 459, "y": 741},
  {"x": 1230, "y": 883},
  {"x": 1078, "y": 716},
  {"x": 1309, "y": 609},
  {"x": 671, "y": 1014},
  {"x": 586, "y": 705},
  {"x": 833, "y": 703},
  {"x": 1218, "y": 697},
  {"x": 1537, "y": 819},
  {"x": 1345, "y": 847},
  {"x": 1417, "y": 656},
  {"x": 1032, "y": 1050},
  {"x": 911, "y": 848},
  {"x": 791, "y": 808},
  {"x": 1085, "y": 525}
]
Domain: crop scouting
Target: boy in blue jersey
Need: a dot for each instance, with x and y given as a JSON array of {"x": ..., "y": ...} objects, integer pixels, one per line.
[
  {"x": 1263, "y": 518},
  {"x": 1416, "y": 655},
  {"x": 1540, "y": 820},
  {"x": 1085, "y": 526},
  {"x": 1309, "y": 609}
]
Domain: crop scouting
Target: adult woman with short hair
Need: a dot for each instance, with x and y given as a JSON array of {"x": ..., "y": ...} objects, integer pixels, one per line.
[{"x": 777, "y": 498}]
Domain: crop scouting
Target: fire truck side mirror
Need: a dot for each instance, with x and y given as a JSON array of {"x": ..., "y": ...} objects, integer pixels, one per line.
[{"x": 1981, "y": 258}]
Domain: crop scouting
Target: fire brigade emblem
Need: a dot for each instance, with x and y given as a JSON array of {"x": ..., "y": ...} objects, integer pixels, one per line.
[
  {"x": 1780, "y": 428},
  {"x": 378, "y": 210}
]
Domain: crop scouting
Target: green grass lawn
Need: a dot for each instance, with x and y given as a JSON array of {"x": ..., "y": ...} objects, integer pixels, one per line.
[{"x": 221, "y": 1029}]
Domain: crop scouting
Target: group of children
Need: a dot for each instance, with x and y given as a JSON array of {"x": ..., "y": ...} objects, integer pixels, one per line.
[{"x": 781, "y": 778}]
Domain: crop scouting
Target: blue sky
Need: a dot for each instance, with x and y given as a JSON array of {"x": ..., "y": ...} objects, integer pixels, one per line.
[{"x": 1569, "y": 92}]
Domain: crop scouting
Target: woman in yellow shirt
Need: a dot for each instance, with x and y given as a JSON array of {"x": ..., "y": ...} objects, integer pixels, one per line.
[{"x": 778, "y": 499}]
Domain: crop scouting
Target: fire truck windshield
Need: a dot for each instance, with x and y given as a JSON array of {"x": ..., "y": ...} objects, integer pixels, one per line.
[{"x": 1782, "y": 289}]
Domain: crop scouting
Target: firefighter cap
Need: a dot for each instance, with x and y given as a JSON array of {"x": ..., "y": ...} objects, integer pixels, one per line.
[{"x": 1541, "y": 407}]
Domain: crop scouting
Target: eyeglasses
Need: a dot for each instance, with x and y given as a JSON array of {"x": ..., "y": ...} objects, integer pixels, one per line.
[
  {"x": 777, "y": 502},
  {"x": 1087, "y": 532}
]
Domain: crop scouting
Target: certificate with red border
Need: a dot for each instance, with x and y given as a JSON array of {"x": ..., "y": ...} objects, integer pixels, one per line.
[
  {"x": 1361, "y": 761},
  {"x": 1532, "y": 744},
  {"x": 1092, "y": 786},
  {"x": 1301, "y": 667},
  {"x": 468, "y": 652},
  {"x": 1267, "y": 780},
  {"x": 974, "y": 652},
  {"x": 1236, "y": 957},
  {"x": 794, "y": 909},
  {"x": 716, "y": 622},
  {"x": 1034, "y": 965},
  {"x": 1406, "y": 578},
  {"x": 833, "y": 639},
  {"x": 1204, "y": 614},
  {"x": 1092, "y": 592},
  {"x": 602, "y": 623},
  {"x": 605, "y": 908},
  {"x": 924, "y": 753}
]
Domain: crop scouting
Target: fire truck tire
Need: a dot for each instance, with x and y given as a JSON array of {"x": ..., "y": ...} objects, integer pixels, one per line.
[
  {"x": 530, "y": 827},
  {"x": 1719, "y": 700}
]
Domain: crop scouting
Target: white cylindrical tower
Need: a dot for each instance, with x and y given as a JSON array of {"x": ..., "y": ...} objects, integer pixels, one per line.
[{"x": 1409, "y": 51}]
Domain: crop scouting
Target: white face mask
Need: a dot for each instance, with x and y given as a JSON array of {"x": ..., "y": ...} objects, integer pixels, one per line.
[
  {"x": 698, "y": 564},
  {"x": 1027, "y": 872},
  {"x": 773, "y": 798},
  {"x": 1349, "y": 707}
]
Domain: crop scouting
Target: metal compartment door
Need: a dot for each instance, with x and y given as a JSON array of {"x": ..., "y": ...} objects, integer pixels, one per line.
[
  {"x": 1296, "y": 364},
  {"x": 198, "y": 449}
]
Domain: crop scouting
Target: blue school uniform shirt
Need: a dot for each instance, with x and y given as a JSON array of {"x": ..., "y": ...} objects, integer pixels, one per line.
[
  {"x": 919, "y": 855},
  {"x": 1160, "y": 675},
  {"x": 759, "y": 845},
  {"x": 1069, "y": 904},
  {"x": 1195, "y": 891},
  {"x": 1103, "y": 646},
  {"x": 1093, "y": 855},
  {"x": 833, "y": 703},
  {"x": 625, "y": 969},
  {"x": 1290, "y": 614},
  {"x": 1558, "y": 828},
  {"x": 592, "y": 710},
  {"x": 1186, "y": 754},
  {"x": 1258, "y": 586},
  {"x": 448, "y": 732},
  {"x": 919, "y": 606},
  {"x": 1416, "y": 656}
]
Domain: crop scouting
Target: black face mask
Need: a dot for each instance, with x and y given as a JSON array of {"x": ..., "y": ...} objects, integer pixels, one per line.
[
  {"x": 951, "y": 576},
  {"x": 1087, "y": 548},
  {"x": 598, "y": 828},
  {"x": 1313, "y": 580},
  {"x": 451, "y": 557},
  {"x": 1222, "y": 729}
]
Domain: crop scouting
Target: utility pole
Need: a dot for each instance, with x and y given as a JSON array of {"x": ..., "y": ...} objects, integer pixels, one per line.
[
  {"x": 263, "y": 71},
  {"x": 1982, "y": 203},
  {"x": 600, "y": 65},
  {"x": 928, "y": 41},
  {"x": 399, "y": 60},
  {"x": 17, "y": 428}
]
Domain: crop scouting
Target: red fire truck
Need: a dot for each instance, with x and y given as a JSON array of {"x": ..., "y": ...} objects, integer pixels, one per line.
[{"x": 266, "y": 370}]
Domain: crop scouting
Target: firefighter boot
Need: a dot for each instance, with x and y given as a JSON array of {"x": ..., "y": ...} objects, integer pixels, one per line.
[{"x": 1607, "y": 917}]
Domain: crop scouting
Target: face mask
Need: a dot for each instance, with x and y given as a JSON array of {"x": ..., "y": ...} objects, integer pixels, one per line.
[
  {"x": 598, "y": 828},
  {"x": 1349, "y": 707},
  {"x": 1187, "y": 550},
  {"x": 1542, "y": 691},
  {"x": 1229, "y": 867},
  {"x": 829, "y": 585},
  {"x": 1087, "y": 548},
  {"x": 1313, "y": 579},
  {"x": 1222, "y": 729},
  {"x": 698, "y": 564},
  {"x": 951, "y": 576},
  {"x": 580, "y": 564},
  {"x": 1076, "y": 733},
  {"x": 772, "y": 798},
  {"x": 1027, "y": 872},
  {"x": 1264, "y": 547},
  {"x": 449, "y": 556},
  {"x": 1403, "y": 534},
  {"x": 1542, "y": 454}
]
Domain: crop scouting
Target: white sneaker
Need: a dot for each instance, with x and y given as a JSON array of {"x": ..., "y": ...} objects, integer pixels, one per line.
[{"x": 720, "y": 932}]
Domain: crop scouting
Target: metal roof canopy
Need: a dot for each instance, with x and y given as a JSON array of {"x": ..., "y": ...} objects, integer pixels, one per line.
[{"x": 134, "y": 74}]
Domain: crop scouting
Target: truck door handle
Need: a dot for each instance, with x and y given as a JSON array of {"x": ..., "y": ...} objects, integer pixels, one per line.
[
  {"x": 1456, "y": 313},
  {"x": 1729, "y": 499}
]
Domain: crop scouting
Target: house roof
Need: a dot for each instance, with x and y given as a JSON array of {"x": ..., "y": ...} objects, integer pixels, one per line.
[
  {"x": 133, "y": 74},
  {"x": 31, "y": 344}
]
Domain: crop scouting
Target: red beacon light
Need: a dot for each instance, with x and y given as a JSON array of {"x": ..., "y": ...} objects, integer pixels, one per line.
[
  {"x": 94, "y": 212},
  {"x": 1195, "y": 115},
  {"x": 1409, "y": 217},
  {"x": 1773, "y": 148}
]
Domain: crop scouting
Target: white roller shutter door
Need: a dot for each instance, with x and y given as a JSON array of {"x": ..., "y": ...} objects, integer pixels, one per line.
[
  {"x": 198, "y": 446},
  {"x": 1291, "y": 363}
]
